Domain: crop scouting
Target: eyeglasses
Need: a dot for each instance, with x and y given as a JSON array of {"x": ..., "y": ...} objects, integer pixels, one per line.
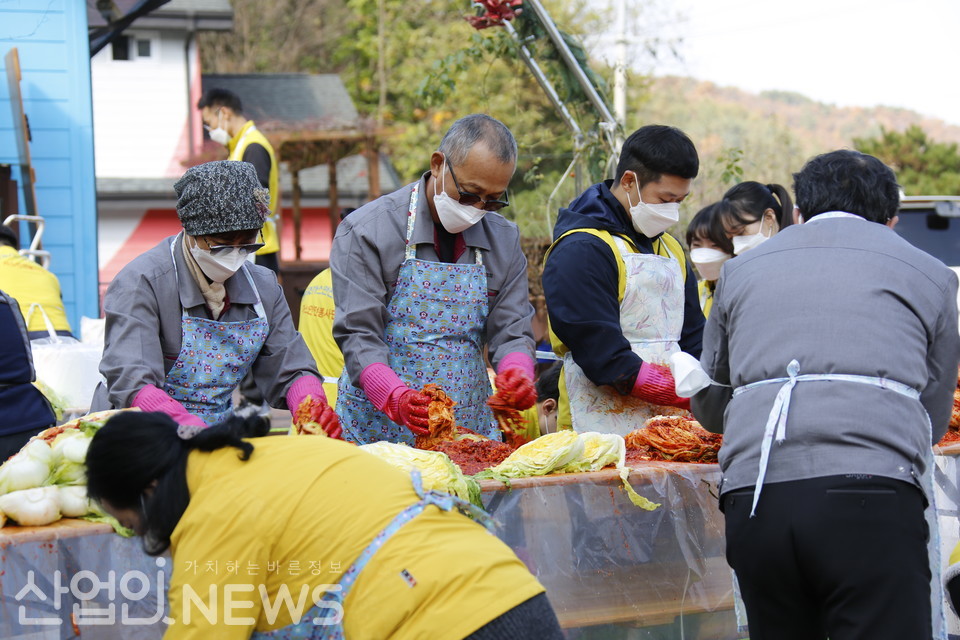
[
  {"x": 470, "y": 199},
  {"x": 251, "y": 247}
]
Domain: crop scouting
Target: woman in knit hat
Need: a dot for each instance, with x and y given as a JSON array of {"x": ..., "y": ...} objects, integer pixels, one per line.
[{"x": 189, "y": 318}]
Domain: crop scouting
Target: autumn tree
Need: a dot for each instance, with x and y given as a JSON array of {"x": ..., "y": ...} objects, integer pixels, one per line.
[{"x": 923, "y": 166}]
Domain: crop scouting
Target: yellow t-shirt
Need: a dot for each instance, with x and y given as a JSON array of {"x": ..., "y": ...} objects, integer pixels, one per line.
[
  {"x": 30, "y": 283},
  {"x": 296, "y": 515},
  {"x": 316, "y": 325}
]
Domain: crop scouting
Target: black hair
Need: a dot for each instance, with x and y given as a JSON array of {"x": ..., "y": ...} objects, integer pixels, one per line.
[
  {"x": 656, "y": 149},
  {"x": 850, "y": 181},
  {"x": 215, "y": 98},
  {"x": 707, "y": 224},
  {"x": 548, "y": 383},
  {"x": 8, "y": 237},
  {"x": 346, "y": 211},
  {"x": 134, "y": 449},
  {"x": 745, "y": 203}
]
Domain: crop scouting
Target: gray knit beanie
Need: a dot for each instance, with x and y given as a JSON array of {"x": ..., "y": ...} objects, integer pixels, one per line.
[{"x": 220, "y": 197}]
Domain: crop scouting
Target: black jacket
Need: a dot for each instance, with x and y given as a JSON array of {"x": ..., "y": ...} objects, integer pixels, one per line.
[{"x": 581, "y": 285}]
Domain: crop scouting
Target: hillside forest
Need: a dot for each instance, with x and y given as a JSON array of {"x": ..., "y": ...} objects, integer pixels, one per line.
[{"x": 415, "y": 67}]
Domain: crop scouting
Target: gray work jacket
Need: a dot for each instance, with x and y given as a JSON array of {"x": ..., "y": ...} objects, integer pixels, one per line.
[
  {"x": 841, "y": 296},
  {"x": 365, "y": 260},
  {"x": 143, "y": 307}
]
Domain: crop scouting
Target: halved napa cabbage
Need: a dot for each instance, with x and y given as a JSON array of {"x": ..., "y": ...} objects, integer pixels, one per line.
[
  {"x": 599, "y": 450},
  {"x": 437, "y": 471},
  {"x": 539, "y": 457}
]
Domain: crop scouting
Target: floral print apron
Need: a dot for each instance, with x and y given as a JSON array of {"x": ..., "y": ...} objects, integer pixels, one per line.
[
  {"x": 214, "y": 357},
  {"x": 437, "y": 321},
  {"x": 651, "y": 317}
]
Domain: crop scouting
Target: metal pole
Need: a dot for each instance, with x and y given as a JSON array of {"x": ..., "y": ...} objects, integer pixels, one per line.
[
  {"x": 570, "y": 60},
  {"x": 620, "y": 69},
  {"x": 543, "y": 81}
]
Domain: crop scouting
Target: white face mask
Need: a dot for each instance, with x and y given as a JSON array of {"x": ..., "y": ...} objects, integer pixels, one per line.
[
  {"x": 653, "y": 219},
  {"x": 454, "y": 217},
  {"x": 745, "y": 243},
  {"x": 221, "y": 266},
  {"x": 219, "y": 135},
  {"x": 708, "y": 261}
]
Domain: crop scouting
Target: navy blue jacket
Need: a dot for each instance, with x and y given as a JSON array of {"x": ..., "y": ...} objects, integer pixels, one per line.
[
  {"x": 22, "y": 406},
  {"x": 581, "y": 286}
]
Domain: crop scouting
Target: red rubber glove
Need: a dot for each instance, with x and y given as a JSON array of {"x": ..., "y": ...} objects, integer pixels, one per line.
[
  {"x": 412, "y": 412},
  {"x": 515, "y": 389},
  {"x": 330, "y": 422},
  {"x": 655, "y": 385}
]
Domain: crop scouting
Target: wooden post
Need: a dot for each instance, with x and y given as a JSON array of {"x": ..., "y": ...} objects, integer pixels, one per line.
[
  {"x": 21, "y": 131},
  {"x": 334, "y": 211},
  {"x": 297, "y": 248},
  {"x": 373, "y": 168}
]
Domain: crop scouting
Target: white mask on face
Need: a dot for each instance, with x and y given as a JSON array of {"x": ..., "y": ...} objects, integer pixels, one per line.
[
  {"x": 219, "y": 135},
  {"x": 708, "y": 261},
  {"x": 454, "y": 217},
  {"x": 745, "y": 243},
  {"x": 653, "y": 219},
  {"x": 221, "y": 266}
]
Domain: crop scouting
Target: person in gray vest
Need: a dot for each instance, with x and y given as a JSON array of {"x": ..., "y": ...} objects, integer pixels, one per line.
[{"x": 833, "y": 350}]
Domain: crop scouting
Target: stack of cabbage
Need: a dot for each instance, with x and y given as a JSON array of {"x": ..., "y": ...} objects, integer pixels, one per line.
[
  {"x": 437, "y": 471},
  {"x": 568, "y": 452},
  {"x": 46, "y": 479}
]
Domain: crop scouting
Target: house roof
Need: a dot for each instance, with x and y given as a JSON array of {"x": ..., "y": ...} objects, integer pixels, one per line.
[
  {"x": 351, "y": 183},
  {"x": 199, "y": 15},
  {"x": 314, "y": 101}
]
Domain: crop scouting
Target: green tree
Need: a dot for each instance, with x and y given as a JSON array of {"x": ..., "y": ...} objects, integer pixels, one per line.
[{"x": 923, "y": 166}]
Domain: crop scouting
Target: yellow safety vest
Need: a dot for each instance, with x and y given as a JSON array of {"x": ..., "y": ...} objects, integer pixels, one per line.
[
  {"x": 666, "y": 246},
  {"x": 706, "y": 297},
  {"x": 29, "y": 283},
  {"x": 316, "y": 325},
  {"x": 249, "y": 134}
]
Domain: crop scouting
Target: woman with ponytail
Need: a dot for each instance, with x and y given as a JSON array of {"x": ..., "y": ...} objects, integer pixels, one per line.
[
  {"x": 306, "y": 537},
  {"x": 752, "y": 213}
]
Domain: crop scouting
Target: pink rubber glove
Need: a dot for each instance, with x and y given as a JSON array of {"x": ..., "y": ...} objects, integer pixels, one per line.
[
  {"x": 655, "y": 385},
  {"x": 153, "y": 398},
  {"x": 518, "y": 360},
  {"x": 324, "y": 415},
  {"x": 305, "y": 385},
  {"x": 387, "y": 393}
]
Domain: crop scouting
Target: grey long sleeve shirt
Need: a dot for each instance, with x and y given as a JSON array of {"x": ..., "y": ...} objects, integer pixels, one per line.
[
  {"x": 365, "y": 261},
  {"x": 143, "y": 307},
  {"x": 843, "y": 296}
]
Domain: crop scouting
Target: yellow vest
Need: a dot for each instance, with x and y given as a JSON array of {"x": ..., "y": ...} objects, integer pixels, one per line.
[
  {"x": 706, "y": 297},
  {"x": 29, "y": 283},
  {"x": 249, "y": 134},
  {"x": 666, "y": 245},
  {"x": 316, "y": 325}
]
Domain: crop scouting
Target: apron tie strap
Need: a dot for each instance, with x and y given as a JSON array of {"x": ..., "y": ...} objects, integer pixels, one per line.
[
  {"x": 776, "y": 427},
  {"x": 447, "y": 502}
]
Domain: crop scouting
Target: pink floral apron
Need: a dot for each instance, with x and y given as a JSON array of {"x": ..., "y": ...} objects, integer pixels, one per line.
[
  {"x": 214, "y": 357},
  {"x": 651, "y": 317},
  {"x": 438, "y": 316}
]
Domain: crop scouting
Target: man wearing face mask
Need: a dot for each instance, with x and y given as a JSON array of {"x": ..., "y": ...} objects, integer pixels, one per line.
[
  {"x": 188, "y": 319},
  {"x": 425, "y": 279},
  {"x": 223, "y": 118},
  {"x": 620, "y": 294}
]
